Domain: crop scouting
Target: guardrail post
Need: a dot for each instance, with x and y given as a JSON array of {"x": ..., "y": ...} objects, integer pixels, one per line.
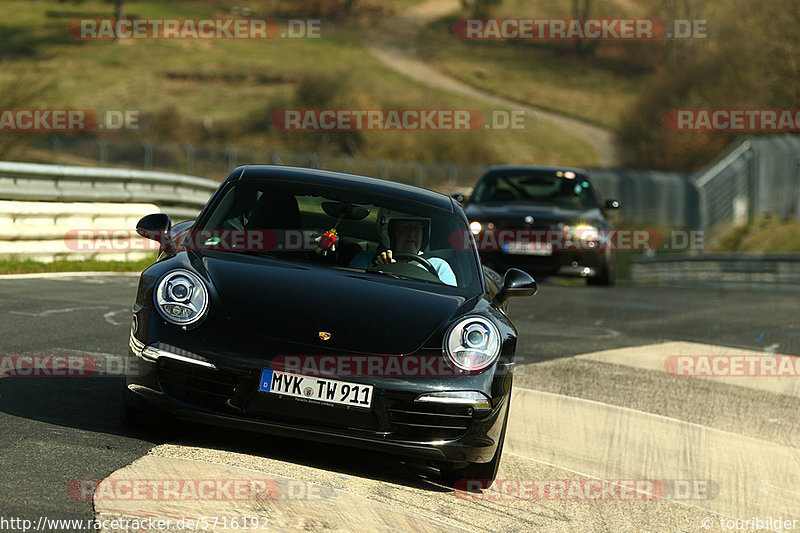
[
  {"x": 147, "y": 164},
  {"x": 274, "y": 158},
  {"x": 55, "y": 146},
  {"x": 102, "y": 145},
  {"x": 419, "y": 178},
  {"x": 796, "y": 186},
  {"x": 753, "y": 185},
  {"x": 189, "y": 149},
  {"x": 452, "y": 175},
  {"x": 233, "y": 157}
]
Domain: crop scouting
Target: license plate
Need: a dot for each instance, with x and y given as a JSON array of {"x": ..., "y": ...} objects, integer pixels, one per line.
[
  {"x": 529, "y": 248},
  {"x": 315, "y": 388}
]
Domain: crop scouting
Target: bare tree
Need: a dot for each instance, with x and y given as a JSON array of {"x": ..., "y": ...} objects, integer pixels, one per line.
[
  {"x": 581, "y": 10},
  {"x": 480, "y": 8},
  {"x": 119, "y": 11}
]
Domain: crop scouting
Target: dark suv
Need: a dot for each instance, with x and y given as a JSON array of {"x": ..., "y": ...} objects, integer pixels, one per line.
[{"x": 545, "y": 220}]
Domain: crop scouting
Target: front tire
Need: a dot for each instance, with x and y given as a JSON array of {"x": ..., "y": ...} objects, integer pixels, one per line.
[
  {"x": 607, "y": 276},
  {"x": 485, "y": 472},
  {"x": 129, "y": 417}
]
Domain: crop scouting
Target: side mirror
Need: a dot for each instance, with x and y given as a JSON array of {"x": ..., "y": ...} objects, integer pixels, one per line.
[
  {"x": 458, "y": 197},
  {"x": 156, "y": 227},
  {"x": 613, "y": 204},
  {"x": 515, "y": 283}
]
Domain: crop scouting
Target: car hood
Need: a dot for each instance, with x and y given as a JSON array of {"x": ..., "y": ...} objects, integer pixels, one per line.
[
  {"x": 541, "y": 213},
  {"x": 293, "y": 303}
]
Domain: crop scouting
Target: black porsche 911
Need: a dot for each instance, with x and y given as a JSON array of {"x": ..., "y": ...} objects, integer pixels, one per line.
[
  {"x": 544, "y": 220},
  {"x": 330, "y": 307}
]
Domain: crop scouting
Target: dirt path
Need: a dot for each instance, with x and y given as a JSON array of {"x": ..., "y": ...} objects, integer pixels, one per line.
[{"x": 393, "y": 44}]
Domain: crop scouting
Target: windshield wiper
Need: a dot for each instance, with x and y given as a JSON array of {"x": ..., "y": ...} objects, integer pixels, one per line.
[
  {"x": 398, "y": 276},
  {"x": 259, "y": 253},
  {"x": 385, "y": 273}
]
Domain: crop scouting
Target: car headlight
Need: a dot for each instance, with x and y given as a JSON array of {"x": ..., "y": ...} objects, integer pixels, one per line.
[
  {"x": 475, "y": 227},
  {"x": 584, "y": 232},
  {"x": 472, "y": 343},
  {"x": 181, "y": 297},
  {"x": 587, "y": 233}
]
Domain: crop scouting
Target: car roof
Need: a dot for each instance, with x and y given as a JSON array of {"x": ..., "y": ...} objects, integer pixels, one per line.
[{"x": 329, "y": 178}]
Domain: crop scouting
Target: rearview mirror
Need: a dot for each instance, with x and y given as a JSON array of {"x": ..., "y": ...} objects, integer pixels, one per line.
[
  {"x": 515, "y": 283},
  {"x": 346, "y": 210}
]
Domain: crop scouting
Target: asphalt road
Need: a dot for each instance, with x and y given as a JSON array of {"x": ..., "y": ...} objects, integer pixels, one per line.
[{"x": 575, "y": 416}]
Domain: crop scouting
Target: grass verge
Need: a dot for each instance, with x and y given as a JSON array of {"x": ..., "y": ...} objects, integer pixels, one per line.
[
  {"x": 765, "y": 235},
  {"x": 30, "y": 266}
]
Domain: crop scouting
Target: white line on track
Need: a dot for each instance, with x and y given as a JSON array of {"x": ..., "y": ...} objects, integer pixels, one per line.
[
  {"x": 49, "y": 312},
  {"x": 109, "y": 317},
  {"x": 66, "y": 275}
]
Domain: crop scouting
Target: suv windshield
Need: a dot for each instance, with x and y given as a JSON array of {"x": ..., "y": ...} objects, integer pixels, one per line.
[
  {"x": 554, "y": 187},
  {"x": 291, "y": 222}
]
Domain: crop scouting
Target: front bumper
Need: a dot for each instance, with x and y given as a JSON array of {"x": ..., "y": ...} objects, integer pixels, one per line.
[
  {"x": 228, "y": 396},
  {"x": 578, "y": 263}
]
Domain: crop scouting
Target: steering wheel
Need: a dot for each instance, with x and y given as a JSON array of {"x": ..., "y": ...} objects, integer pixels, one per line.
[{"x": 419, "y": 259}]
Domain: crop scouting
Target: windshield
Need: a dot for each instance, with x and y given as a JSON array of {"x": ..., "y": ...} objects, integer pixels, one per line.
[
  {"x": 556, "y": 187},
  {"x": 293, "y": 222}
]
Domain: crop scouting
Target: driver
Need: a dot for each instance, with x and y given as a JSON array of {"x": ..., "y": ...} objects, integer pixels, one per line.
[{"x": 403, "y": 234}]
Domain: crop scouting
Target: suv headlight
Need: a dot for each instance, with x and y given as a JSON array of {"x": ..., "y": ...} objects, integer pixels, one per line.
[
  {"x": 587, "y": 233},
  {"x": 181, "y": 297},
  {"x": 472, "y": 343},
  {"x": 583, "y": 232}
]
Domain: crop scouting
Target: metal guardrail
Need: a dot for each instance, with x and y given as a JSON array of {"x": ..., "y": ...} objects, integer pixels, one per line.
[
  {"x": 648, "y": 197},
  {"x": 41, "y": 205},
  {"x": 178, "y": 195},
  {"x": 754, "y": 177},
  {"x": 72, "y": 230},
  {"x": 720, "y": 269}
]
